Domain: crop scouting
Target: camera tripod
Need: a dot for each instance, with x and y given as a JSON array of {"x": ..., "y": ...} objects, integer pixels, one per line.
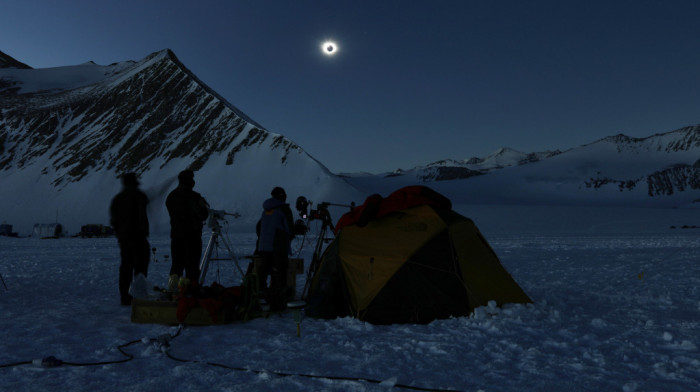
[
  {"x": 213, "y": 223},
  {"x": 323, "y": 237}
]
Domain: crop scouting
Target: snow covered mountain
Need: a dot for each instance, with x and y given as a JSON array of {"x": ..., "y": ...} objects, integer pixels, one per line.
[
  {"x": 661, "y": 170},
  {"x": 66, "y": 133},
  {"x": 450, "y": 169}
]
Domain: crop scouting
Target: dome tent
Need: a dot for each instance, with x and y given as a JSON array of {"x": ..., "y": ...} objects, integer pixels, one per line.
[{"x": 408, "y": 258}]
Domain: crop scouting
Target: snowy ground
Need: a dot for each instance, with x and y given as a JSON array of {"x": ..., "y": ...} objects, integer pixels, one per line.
[{"x": 617, "y": 308}]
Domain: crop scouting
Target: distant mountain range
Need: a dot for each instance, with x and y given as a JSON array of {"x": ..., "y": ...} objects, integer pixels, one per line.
[
  {"x": 661, "y": 170},
  {"x": 450, "y": 169},
  {"x": 66, "y": 133}
]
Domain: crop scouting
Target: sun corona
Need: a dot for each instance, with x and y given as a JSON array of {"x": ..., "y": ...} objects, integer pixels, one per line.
[{"x": 329, "y": 48}]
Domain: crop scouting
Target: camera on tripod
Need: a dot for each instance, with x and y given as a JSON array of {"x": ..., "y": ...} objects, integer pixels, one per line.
[
  {"x": 320, "y": 213},
  {"x": 217, "y": 215},
  {"x": 325, "y": 235},
  {"x": 216, "y": 236}
]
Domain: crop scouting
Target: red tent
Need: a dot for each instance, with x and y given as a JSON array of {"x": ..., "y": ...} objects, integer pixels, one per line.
[{"x": 377, "y": 206}]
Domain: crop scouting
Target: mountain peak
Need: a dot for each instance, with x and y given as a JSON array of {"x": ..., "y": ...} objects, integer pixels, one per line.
[
  {"x": 620, "y": 138},
  {"x": 170, "y": 55},
  {"x": 162, "y": 54},
  {"x": 682, "y": 139},
  {"x": 66, "y": 133},
  {"x": 505, "y": 150}
]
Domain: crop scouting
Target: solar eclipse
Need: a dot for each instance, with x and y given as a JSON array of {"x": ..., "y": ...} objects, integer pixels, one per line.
[{"x": 329, "y": 48}]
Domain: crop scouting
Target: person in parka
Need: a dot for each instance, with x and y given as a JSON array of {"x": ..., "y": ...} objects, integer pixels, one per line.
[
  {"x": 129, "y": 219},
  {"x": 274, "y": 247},
  {"x": 188, "y": 210}
]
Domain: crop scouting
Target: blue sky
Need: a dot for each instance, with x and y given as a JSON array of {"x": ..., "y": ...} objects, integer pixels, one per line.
[{"x": 413, "y": 81}]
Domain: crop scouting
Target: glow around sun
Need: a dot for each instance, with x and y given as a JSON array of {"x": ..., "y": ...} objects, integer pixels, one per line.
[{"x": 329, "y": 48}]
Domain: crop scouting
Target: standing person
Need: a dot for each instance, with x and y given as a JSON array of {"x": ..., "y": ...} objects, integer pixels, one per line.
[
  {"x": 274, "y": 247},
  {"x": 188, "y": 210},
  {"x": 129, "y": 219},
  {"x": 279, "y": 194}
]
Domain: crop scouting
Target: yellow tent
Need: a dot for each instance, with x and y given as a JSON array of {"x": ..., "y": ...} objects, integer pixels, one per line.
[{"x": 413, "y": 260}]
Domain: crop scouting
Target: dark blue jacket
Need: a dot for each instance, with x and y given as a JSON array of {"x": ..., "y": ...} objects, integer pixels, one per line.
[{"x": 274, "y": 229}]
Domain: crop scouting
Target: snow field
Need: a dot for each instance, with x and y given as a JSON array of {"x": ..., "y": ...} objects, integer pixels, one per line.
[{"x": 612, "y": 312}]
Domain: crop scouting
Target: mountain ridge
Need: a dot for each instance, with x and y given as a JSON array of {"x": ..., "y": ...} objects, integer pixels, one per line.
[
  {"x": 67, "y": 133},
  {"x": 139, "y": 146},
  {"x": 662, "y": 169}
]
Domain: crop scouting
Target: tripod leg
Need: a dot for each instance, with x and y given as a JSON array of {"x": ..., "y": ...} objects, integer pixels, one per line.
[
  {"x": 204, "y": 264},
  {"x": 315, "y": 261},
  {"x": 233, "y": 255}
]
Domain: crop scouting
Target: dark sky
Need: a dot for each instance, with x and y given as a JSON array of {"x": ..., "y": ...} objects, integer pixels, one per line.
[{"x": 413, "y": 81}]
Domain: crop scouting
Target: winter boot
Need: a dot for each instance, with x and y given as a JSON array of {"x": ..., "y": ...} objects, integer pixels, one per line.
[{"x": 183, "y": 283}]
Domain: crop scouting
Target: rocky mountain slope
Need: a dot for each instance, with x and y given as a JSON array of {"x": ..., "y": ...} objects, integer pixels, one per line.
[{"x": 66, "y": 133}]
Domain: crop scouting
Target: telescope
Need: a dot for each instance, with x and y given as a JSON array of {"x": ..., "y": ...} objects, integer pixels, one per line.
[
  {"x": 320, "y": 213},
  {"x": 216, "y": 215},
  {"x": 213, "y": 223}
]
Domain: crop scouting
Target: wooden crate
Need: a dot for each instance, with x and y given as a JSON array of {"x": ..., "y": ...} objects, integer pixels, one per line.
[{"x": 165, "y": 312}]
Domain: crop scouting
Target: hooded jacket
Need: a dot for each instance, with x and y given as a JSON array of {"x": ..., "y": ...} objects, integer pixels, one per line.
[{"x": 274, "y": 229}]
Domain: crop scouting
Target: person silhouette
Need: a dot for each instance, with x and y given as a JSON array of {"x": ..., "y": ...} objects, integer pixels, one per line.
[{"x": 129, "y": 219}]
